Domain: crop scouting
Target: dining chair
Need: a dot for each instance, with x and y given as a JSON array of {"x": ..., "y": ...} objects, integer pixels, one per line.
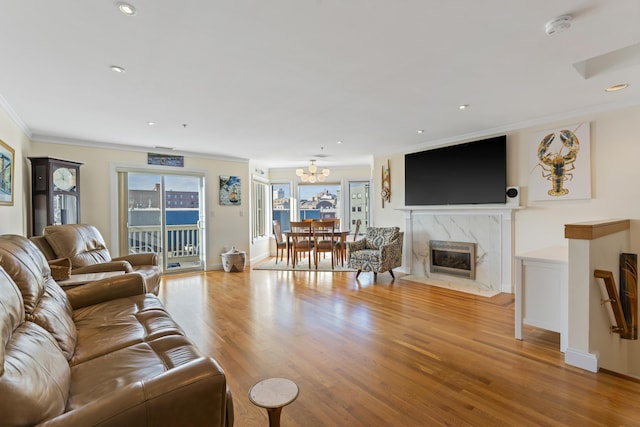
[
  {"x": 343, "y": 247},
  {"x": 323, "y": 239},
  {"x": 281, "y": 244},
  {"x": 301, "y": 240},
  {"x": 336, "y": 222}
]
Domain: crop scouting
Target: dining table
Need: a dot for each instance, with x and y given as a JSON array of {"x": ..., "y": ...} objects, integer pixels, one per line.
[{"x": 342, "y": 234}]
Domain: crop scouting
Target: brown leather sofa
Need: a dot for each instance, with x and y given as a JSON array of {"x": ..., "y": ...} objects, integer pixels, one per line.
[
  {"x": 84, "y": 246},
  {"x": 102, "y": 354}
]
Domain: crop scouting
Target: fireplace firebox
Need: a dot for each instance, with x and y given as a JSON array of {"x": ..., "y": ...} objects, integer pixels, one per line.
[{"x": 455, "y": 258}]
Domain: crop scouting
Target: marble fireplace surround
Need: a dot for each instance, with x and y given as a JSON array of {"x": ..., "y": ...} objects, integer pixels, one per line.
[{"x": 489, "y": 226}]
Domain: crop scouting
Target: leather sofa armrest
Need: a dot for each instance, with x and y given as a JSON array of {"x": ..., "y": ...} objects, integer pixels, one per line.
[
  {"x": 149, "y": 258},
  {"x": 104, "y": 266},
  {"x": 192, "y": 394},
  {"x": 123, "y": 286}
]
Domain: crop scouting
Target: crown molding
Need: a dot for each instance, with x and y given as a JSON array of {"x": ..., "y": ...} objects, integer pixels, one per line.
[
  {"x": 15, "y": 117},
  {"x": 135, "y": 148},
  {"x": 518, "y": 126}
]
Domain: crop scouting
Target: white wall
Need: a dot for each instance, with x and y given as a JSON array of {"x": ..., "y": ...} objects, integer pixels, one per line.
[
  {"x": 614, "y": 171},
  {"x": 227, "y": 226},
  {"x": 615, "y": 182},
  {"x": 389, "y": 215},
  {"x": 14, "y": 219}
]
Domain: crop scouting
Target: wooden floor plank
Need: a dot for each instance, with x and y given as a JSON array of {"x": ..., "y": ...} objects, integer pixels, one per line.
[{"x": 393, "y": 353}]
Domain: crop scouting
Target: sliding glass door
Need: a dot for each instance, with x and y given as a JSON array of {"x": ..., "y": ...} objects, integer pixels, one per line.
[{"x": 164, "y": 214}]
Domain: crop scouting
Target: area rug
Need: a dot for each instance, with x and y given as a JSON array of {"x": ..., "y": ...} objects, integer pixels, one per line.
[{"x": 323, "y": 265}]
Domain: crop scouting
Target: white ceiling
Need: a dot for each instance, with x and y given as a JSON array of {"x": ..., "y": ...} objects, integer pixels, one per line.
[{"x": 277, "y": 80}]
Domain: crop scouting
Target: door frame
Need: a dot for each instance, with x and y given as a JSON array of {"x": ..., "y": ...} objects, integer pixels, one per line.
[{"x": 115, "y": 168}]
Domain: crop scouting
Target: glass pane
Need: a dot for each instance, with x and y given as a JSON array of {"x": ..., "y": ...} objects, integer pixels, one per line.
[
  {"x": 165, "y": 215},
  {"x": 182, "y": 215},
  {"x": 65, "y": 209},
  {"x": 143, "y": 218},
  {"x": 259, "y": 209},
  {"x": 358, "y": 205},
  {"x": 281, "y": 203},
  {"x": 319, "y": 201}
]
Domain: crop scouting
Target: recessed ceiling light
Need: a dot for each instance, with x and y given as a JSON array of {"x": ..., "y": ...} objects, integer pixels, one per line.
[
  {"x": 117, "y": 69},
  {"x": 421, "y": 131},
  {"x": 338, "y": 142},
  {"x": 617, "y": 87},
  {"x": 151, "y": 123},
  {"x": 463, "y": 106},
  {"x": 126, "y": 8}
]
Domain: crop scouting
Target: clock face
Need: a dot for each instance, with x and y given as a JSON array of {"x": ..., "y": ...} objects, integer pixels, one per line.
[{"x": 64, "y": 179}]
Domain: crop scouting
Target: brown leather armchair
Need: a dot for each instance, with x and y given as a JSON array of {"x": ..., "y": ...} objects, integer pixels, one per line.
[
  {"x": 84, "y": 246},
  {"x": 105, "y": 353}
]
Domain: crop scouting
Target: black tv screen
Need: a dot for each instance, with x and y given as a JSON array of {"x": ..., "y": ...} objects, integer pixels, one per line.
[{"x": 470, "y": 173}]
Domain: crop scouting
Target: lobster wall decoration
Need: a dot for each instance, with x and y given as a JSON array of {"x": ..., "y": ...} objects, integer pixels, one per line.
[{"x": 557, "y": 166}]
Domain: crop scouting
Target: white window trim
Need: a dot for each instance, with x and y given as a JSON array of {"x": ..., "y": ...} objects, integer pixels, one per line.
[{"x": 266, "y": 208}]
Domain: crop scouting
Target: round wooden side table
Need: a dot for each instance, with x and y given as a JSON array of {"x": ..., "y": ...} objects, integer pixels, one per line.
[{"x": 273, "y": 394}]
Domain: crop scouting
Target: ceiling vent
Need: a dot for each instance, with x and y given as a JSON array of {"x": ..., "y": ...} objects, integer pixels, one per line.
[{"x": 558, "y": 25}]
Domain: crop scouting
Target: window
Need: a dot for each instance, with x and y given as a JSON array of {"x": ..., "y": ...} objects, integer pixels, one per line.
[
  {"x": 317, "y": 201},
  {"x": 281, "y": 205},
  {"x": 259, "y": 217},
  {"x": 359, "y": 191}
]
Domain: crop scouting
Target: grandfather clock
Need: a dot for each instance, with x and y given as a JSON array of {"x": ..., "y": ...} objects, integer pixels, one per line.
[{"x": 55, "y": 192}]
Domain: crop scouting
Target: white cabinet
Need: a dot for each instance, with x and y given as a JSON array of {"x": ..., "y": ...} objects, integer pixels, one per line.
[{"x": 542, "y": 282}]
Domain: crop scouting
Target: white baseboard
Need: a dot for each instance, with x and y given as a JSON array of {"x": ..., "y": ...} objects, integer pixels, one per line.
[{"x": 582, "y": 360}]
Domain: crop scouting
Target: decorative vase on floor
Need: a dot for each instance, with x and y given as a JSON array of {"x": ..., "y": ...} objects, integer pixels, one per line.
[{"x": 233, "y": 260}]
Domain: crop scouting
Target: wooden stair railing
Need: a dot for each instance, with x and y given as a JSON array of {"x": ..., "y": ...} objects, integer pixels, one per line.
[{"x": 620, "y": 326}]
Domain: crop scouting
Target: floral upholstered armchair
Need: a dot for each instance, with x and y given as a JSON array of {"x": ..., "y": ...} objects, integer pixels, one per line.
[{"x": 379, "y": 251}]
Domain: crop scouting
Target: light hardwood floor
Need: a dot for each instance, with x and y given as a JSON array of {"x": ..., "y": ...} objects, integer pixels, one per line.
[{"x": 393, "y": 353}]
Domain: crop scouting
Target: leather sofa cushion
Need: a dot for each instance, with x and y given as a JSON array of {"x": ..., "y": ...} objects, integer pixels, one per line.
[
  {"x": 97, "y": 378},
  {"x": 11, "y": 312},
  {"x": 81, "y": 243},
  {"x": 45, "y": 303},
  {"x": 43, "y": 245},
  {"x": 35, "y": 383},
  {"x": 106, "y": 327}
]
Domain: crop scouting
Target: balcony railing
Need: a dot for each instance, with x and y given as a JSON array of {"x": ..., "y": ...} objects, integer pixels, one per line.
[{"x": 181, "y": 241}]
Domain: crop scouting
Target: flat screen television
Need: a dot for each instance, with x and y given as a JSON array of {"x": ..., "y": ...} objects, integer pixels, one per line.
[{"x": 470, "y": 173}]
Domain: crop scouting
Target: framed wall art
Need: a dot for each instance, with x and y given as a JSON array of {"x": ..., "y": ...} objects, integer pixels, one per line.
[
  {"x": 561, "y": 163},
  {"x": 165, "y": 160},
  {"x": 230, "y": 190},
  {"x": 385, "y": 193},
  {"x": 7, "y": 160}
]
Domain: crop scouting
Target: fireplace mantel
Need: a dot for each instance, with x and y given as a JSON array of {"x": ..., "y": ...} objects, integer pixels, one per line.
[
  {"x": 500, "y": 215},
  {"x": 463, "y": 209}
]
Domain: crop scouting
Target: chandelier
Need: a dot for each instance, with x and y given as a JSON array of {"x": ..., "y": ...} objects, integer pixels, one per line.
[{"x": 313, "y": 175}]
